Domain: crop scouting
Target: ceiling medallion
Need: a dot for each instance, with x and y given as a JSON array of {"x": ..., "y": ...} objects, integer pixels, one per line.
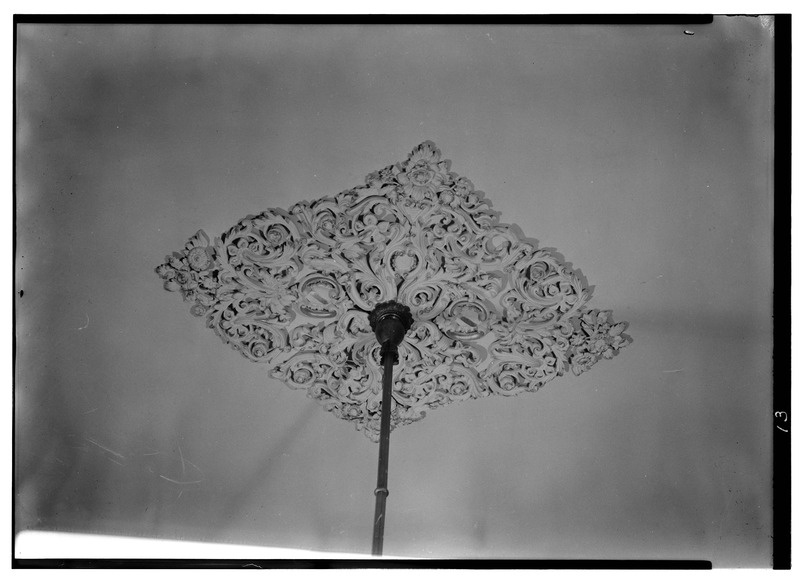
[{"x": 293, "y": 289}]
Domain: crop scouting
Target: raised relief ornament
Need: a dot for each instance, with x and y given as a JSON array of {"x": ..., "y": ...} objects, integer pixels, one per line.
[{"x": 292, "y": 289}]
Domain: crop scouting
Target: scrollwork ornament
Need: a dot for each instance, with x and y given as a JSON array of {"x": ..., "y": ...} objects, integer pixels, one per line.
[{"x": 493, "y": 314}]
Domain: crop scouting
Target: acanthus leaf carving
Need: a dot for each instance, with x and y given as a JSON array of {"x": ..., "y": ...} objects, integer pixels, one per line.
[{"x": 493, "y": 313}]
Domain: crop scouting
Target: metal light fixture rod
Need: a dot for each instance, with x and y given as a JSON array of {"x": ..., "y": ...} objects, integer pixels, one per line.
[
  {"x": 390, "y": 321},
  {"x": 381, "y": 491}
]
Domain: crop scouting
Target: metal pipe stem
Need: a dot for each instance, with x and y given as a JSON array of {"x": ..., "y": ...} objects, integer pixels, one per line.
[
  {"x": 389, "y": 353},
  {"x": 390, "y": 321}
]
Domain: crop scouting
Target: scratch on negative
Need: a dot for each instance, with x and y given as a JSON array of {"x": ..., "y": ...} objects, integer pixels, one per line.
[
  {"x": 90, "y": 411},
  {"x": 672, "y": 370},
  {"x": 179, "y": 481},
  {"x": 116, "y": 461},
  {"x": 183, "y": 463},
  {"x": 195, "y": 465},
  {"x": 86, "y": 325},
  {"x": 109, "y": 450}
]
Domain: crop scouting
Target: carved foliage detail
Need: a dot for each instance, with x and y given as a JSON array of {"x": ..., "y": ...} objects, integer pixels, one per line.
[{"x": 493, "y": 314}]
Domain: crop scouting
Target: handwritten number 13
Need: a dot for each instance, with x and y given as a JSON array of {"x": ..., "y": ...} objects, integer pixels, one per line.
[{"x": 785, "y": 418}]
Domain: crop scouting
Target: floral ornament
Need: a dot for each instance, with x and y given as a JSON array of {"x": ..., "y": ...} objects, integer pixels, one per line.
[
  {"x": 596, "y": 338},
  {"x": 423, "y": 175},
  {"x": 275, "y": 298},
  {"x": 462, "y": 188},
  {"x": 582, "y": 362},
  {"x": 190, "y": 272},
  {"x": 493, "y": 314},
  {"x": 199, "y": 254},
  {"x": 386, "y": 176},
  {"x": 274, "y": 289}
]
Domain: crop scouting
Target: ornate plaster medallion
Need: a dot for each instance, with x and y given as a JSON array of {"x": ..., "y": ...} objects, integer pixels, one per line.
[{"x": 493, "y": 315}]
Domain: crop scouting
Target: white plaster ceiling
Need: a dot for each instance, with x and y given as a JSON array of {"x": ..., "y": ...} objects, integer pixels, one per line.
[{"x": 640, "y": 153}]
